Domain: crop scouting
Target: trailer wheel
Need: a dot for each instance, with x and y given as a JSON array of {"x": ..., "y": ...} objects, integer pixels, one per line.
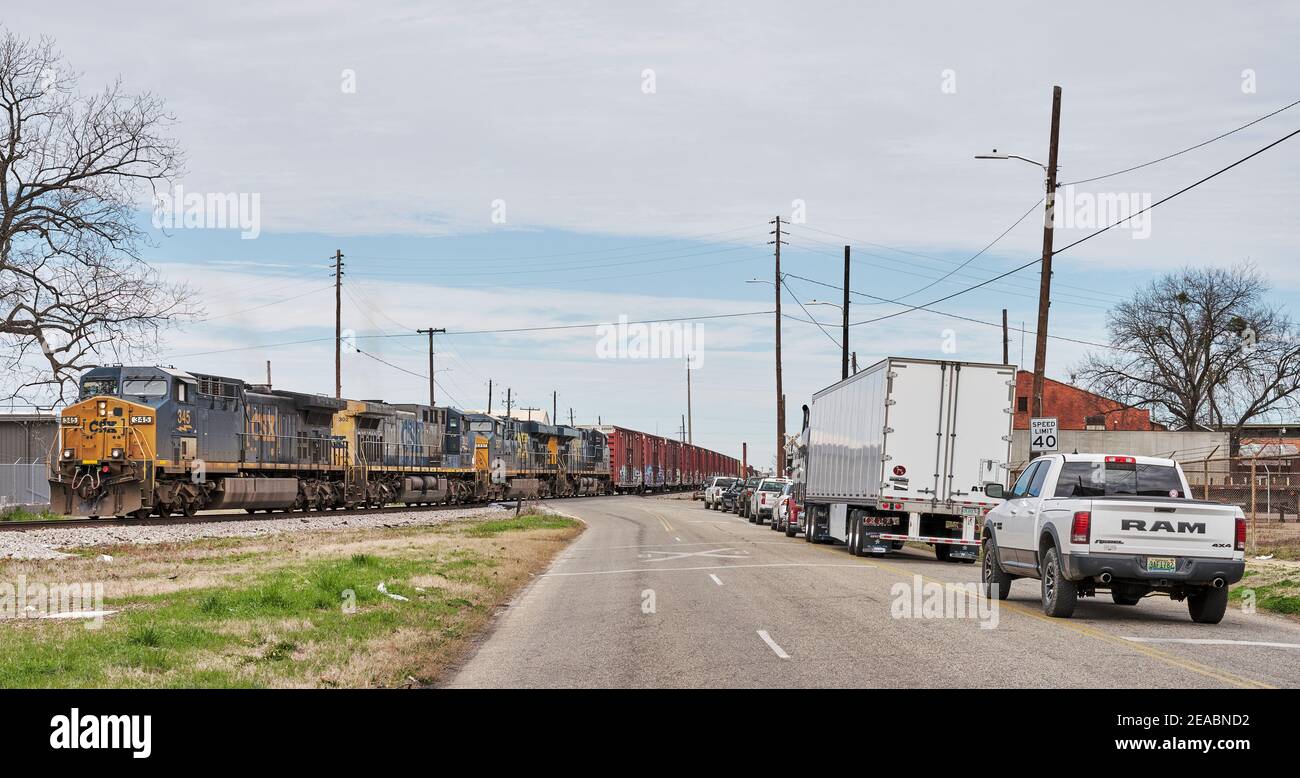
[
  {"x": 943, "y": 552},
  {"x": 855, "y": 536},
  {"x": 996, "y": 581},
  {"x": 1208, "y": 605}
]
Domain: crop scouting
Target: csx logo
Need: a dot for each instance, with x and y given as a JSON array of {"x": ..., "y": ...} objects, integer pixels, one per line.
[
  {"x": 1162, "y": 526},
  {"x": 103, "y": 425}
]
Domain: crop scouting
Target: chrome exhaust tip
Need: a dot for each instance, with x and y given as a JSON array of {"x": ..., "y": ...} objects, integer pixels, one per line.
[
  {"x": 1218, "y": 583},
  {"x": 1105, "y": 578}
]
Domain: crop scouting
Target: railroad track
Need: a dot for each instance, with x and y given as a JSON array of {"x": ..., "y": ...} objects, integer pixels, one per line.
[{"x": 172, "y": 521}]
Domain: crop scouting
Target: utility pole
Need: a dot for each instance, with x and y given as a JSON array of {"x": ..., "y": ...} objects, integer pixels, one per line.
[
  {"x": 430, "y": 332},
  {"x": 690, "y": 422},
  {"x": 1006, "y": 339},
  {"x": 268, "y": 374},
  {"x": 571, "y": 424},
  {"x": 780, "y": 411},
  {"x": 530, "y": 412},
  {"x": 844, "y": 359},
  {"x": 682, "y": 432},
  {"x": 338, "y": 324},
  {"x": 554, "y": 413},
  {"x": 489, "y": 410},
  {"x": 1045, "y": 278},
  {"x": 855, "y": 363},
  {"x": 744, "y": 459},
  {"x": 509, "y": 402}
]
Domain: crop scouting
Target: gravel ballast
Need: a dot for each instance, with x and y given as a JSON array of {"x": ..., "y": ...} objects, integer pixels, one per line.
[{"x": 45, "y": 543}]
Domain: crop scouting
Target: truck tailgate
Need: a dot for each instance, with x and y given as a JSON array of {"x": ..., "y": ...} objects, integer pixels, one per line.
[{"x": 1163, "y": 527}]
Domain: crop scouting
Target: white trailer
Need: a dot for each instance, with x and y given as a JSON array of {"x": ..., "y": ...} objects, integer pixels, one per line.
[{"x": 902, "y": 451}]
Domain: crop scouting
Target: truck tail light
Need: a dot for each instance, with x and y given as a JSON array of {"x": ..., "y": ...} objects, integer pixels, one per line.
[
  {"x": 1122, "y": 460},
  {"x": 1081, "y": 527},
  {"x": 1241, "y": 534}
]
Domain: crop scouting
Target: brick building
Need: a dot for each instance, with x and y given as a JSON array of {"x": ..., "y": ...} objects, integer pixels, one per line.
[{"x": 1077, "y": 409}]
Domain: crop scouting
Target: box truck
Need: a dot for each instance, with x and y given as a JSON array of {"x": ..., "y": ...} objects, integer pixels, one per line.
[{"x": 902, "y": 451}]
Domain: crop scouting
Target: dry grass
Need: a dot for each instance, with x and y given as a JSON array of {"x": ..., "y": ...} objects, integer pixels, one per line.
[{"x": 271, "y": 611}]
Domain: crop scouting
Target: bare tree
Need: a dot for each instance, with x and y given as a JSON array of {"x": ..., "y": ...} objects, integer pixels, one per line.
[
  {"x": 74, "y": 169},
  {"x": 1200, "y": 348}
]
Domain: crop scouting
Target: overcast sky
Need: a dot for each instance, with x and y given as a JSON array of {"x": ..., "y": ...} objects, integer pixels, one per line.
[{"x": 636, "y": 153}]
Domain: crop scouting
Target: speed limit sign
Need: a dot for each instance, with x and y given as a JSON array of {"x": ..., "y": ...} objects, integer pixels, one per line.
[{"x": 1042, "y": 435}]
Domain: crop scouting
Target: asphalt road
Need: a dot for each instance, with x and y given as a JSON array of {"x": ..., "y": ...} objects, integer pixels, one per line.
[{"x": 659, "y": 592}]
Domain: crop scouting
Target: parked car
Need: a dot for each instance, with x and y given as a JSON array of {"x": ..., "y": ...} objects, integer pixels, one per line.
[
  {"x": 1086, "y": 522},
  {"x": 787, "y": 512},
  {"x": 714, "y": 487},
  {"x": 731, "y": 496},
  {"x": 746, "y": 494},
  {"x": 762, "y": 502}
]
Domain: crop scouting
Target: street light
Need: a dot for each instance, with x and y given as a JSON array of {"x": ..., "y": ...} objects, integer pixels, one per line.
[
  {"x": 996, "y": 155},
  {"x": 823, "y": 302},
  {"x": 1045, "y": 266}
]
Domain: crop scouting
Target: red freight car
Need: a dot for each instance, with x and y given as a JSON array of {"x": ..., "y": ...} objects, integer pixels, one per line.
[{"x": 640, "y": 462}]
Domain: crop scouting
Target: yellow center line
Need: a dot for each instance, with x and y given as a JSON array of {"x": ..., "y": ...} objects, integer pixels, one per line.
[{"x": 1154, "y": 653}]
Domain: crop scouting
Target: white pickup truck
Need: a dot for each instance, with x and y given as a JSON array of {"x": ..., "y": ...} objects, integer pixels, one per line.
[{"x": 1084, "y": 522}]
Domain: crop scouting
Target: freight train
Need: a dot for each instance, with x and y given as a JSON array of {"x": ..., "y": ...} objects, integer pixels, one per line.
[{"x": 144, "y": 441}]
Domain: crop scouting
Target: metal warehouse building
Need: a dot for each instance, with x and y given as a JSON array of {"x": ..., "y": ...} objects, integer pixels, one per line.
[
  {"x": 26, "y": 443},
  {"x": 27, "y": 437}
]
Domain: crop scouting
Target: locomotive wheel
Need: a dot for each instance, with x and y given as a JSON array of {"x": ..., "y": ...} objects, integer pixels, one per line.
[{"x": 190, "y": 508}]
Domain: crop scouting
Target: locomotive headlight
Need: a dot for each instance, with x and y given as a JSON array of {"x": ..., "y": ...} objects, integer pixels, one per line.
[
  {"x": 69, "y": 453},
  {"x": 115, "y": 453},
  {"x": 103, "y": 408}
]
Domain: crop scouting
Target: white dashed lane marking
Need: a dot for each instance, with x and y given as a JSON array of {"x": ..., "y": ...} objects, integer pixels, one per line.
[{"x": 762, "y": 633}]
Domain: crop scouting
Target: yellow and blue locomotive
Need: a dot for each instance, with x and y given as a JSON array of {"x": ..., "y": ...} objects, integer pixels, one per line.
[{"x": 156, "y": 440}]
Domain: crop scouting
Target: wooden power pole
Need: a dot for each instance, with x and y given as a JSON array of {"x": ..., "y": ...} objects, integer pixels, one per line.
[
  {"x": 780, "y": 411},
  {"x": 844, "y": 359},
  {"x": 1045, "y": 278},
  {"x": 1006, "y": 339},
  {"x": 338, "y": 324},
  {"x": 690, "y": 422},
  {"x": 432, "y": 382}
]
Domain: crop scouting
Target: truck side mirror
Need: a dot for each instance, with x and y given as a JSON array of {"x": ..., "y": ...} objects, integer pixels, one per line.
[{"x": 994, "y": 490}]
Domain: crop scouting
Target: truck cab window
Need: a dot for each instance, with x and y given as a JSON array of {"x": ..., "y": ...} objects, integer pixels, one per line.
[{"x": 1021, "y": 488}]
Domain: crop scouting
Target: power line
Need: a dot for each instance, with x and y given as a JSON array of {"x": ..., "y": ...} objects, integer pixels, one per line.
[
  {"x": 1184, "y": 151},
  {"x": 1091, "y": 235},
  {"x": 1033, "y": 290},
  {"x": 453, "y": 397},
  {"x": 957, "y": 316},
  {"x": 806, "y": 313},
  {"x": 509, "y": 330}
]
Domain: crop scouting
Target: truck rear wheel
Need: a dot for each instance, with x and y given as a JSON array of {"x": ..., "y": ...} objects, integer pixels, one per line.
[
  {"x": 1208, "y": 605},
  {"x": 1060, "y": 594},
  {"x": 942, "y": 551},
  {"x": 855, "y": 536}
]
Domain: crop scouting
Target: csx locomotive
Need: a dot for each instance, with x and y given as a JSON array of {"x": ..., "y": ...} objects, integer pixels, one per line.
[{"x": 155, "y": 440}]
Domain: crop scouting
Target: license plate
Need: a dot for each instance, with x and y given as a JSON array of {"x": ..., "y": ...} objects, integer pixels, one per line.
[
  {"x": 971, "y": 510},
  {"x": 1162, "y": 564}
]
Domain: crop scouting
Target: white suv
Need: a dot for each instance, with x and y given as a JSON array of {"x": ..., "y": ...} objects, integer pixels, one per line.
[
  {"x": 713, "y": 491},
  {"x": 763, "y": 502}
]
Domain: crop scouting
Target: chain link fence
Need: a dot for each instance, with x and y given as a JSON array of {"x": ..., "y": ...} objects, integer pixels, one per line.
[{"x": 24, "y": 484}]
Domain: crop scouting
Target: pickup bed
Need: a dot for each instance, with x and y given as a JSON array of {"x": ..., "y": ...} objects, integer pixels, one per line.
[{"x": 1081, "y": 523}]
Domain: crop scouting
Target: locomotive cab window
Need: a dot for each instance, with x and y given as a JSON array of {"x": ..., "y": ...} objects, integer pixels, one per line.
[
  {"x": 182, "y": 392},
  {"x": 144, "y": 387},
  {"x": 95, "y": 387}
]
